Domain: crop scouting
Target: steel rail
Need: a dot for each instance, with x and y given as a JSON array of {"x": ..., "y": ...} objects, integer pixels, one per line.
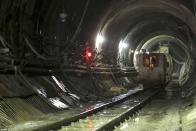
[
  {"x": 122, "y": 117},
  {"x": 89, "y": 113},
  {"x": 67, "y": 121}
]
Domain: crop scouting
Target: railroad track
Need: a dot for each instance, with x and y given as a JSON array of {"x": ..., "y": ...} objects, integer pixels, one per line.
[{"x": 107, "y": 116}]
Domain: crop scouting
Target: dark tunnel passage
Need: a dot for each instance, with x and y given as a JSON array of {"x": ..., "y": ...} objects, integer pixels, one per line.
[
  {"x": 137, "y": 26},
  {"x": 57, "y": 58}
]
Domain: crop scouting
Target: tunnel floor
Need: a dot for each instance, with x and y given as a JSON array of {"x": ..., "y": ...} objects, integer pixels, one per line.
[
  {"x": 167, "y": 112},
  {"x": 64, "y": 61},
  {"x": 164, "y": 114}
]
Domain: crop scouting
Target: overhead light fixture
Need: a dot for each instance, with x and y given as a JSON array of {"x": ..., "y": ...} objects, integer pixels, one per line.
[
  {"x": 122, "y": 45},
  {"x": 99, "y": 40}
]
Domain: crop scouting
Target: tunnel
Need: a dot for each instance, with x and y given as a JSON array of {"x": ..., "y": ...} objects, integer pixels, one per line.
[{"x": 68, "y": 58}]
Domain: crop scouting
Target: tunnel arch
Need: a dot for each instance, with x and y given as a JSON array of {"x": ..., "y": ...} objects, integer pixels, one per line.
[
  {"x": 133, "y": 22},
  {"x": 116, "y": 22},
  {"x": 122, "y": 27}
]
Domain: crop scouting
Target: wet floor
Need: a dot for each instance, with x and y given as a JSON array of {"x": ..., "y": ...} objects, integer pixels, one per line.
[
  {"x": 96, "y": 121},
  {"x": 168, "y": 112},
  {"x": 52, "y": 118}
]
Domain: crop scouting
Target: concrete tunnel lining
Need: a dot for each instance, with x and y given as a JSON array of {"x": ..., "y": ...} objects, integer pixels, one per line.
[{"x": 26, "y": 97}]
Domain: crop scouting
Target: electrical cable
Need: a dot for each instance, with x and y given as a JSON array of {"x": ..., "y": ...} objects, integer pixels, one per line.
[
  {"x": 194, "y": 5},
  {"x": 35, "y": 52},
  {"x": 3, "y": 42},
  {"x": 81, "y": 21}
]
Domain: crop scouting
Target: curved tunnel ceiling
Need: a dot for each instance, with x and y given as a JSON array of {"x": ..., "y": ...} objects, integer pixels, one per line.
[
  {"x": 43, "y": 67},
  {"x": 134, "y": 23},
  {"x": 131, "y": 15}
]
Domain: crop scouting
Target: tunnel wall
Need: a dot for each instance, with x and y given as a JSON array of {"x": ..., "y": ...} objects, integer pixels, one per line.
[
  {"x": 134, "y": 22},
  {"x": 25, "y": 97},
  {"x": 122, "y": 17},
  {"x": 47, "y": 32}
]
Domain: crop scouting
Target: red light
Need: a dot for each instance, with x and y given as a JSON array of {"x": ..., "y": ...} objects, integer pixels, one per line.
[{"x": 89, "y": 54}]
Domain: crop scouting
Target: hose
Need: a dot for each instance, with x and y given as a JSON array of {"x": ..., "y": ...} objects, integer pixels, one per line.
[
  {"x": 81, "y": 21},
  {"x": 35, "y": 52}
]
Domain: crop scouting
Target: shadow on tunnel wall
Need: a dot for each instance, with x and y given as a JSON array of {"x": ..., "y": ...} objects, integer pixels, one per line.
[{"x": 47, "y": 33}]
